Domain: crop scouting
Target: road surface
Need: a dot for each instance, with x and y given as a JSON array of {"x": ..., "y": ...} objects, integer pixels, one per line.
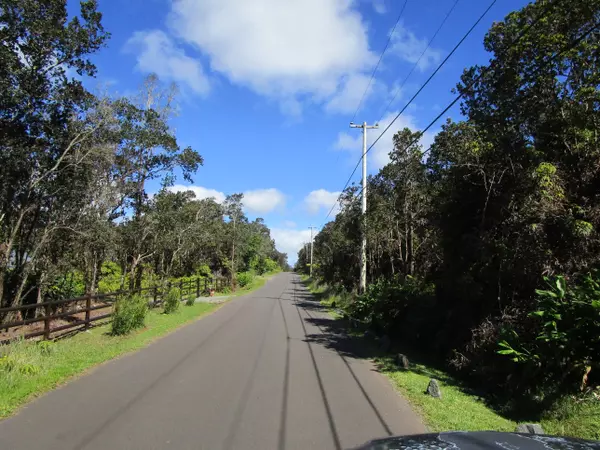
[{"x": 266, "y": 371}]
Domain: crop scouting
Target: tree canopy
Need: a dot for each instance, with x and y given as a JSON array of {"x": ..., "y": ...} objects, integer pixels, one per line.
[
  {"x": 76, "y": 211},
  {"x": 461, "y": 236}
]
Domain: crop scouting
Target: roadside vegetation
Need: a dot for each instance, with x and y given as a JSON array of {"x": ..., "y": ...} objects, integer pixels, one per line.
[
  {"x": 464, "y": 405},
  {"x": 87, "y": 202},
  {"x": 29, "y": 369},
  {"x": 484, "y": 249},
  {"x": 88, "y": 205}
]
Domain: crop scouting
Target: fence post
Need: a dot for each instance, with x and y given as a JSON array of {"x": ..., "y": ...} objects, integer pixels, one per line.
[
  {"x": 47, "y": 322},
  {"x": 181, "y": 288},
  {"x": 197, "y": 287},
  {"x": 88, "y": 305},
  {"x": 154, "y": 296}
]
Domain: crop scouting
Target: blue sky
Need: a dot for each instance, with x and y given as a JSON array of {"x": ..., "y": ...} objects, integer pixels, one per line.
[{"x": 268, "y": 87}]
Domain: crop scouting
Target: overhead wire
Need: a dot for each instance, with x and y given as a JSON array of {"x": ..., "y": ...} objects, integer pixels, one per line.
[
  {"x": 416, "y": 64},
  {"x": 596, "y": 27},
  {"x": 466, "y": 35},
  {"x": 387, "y": 44}
]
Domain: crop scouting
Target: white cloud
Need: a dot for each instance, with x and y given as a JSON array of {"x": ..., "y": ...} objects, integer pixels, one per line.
[
  {"x": 350, "y": 142},
  {"x": 321, "y": 199},
  {"x": 259, "y": 201},
  {"x": 200, "y": 192},
  {"x": 379, "y": 6},
  {"x": 350, "y": 92},
  {"x": 263, "y": 200},
  {"x": 156, "y": 52},
  {"x": 289, "y": 224},
  {"x": 378, "y": 156},
  {"x": 290, "y": 241},
  {"x": 408, "y": 47},
  {"x": 291, "y": 50}
]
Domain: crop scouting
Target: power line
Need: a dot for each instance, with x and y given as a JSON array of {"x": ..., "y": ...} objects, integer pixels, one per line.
[
  {"x": 379, "y": 62},
  {"x": 418, "y": 60},
  {"x": 416, "y": 94},
  {"x": 482, "y": 73}
]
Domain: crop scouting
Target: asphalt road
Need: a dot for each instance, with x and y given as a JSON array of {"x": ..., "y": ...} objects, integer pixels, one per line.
[{"x": 266, "y": 371}]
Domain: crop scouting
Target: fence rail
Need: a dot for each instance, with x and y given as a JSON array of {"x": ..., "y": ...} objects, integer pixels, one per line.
[{"x": 78, "y": 313}]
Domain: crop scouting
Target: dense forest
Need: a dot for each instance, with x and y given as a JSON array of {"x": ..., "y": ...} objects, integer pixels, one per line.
[
  {"x": 77, "y": 209},
  {"x": 484, "y": 249}
]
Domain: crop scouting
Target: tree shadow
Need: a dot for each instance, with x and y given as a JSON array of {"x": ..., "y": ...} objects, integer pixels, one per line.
[{"x": 355, "y": 340}]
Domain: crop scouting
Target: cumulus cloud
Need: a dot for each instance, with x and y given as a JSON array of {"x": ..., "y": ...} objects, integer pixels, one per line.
[
  {"x": 263, "y": 200},
  {"x": 350, "y": 92},
  {"x": 321, "y": 199},
  {"x": 200, "y": 192},
  {"x": 157, "y": 53},
  {"x": 292, "y": 50},
  {"x": 378, "y": 156},
  {"x": 290, "y": 241},
  {"x": 259, "y": 201},
  {"x": 280, "y": 49},
  {"x": 408, "y": 47},
  {"x": 289, "y": 224}
]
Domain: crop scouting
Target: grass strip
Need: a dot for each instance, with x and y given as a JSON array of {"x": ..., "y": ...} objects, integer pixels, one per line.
[
  {"x": 31, "y": 369},
  {"x": 456, "y": 410},
  {"x": 461, "y": 410}
]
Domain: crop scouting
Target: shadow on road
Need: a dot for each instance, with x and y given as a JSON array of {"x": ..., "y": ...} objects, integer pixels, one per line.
[{"x": 333, "y": 334}]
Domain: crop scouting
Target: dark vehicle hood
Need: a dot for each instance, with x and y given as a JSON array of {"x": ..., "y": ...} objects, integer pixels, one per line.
[{"x": 480, "y": 440}]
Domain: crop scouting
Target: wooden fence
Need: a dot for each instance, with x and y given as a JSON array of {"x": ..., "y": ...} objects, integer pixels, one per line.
[{"x": 79, "y": 312}]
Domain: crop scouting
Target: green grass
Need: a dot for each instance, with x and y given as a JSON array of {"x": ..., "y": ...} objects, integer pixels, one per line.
[
  {"x": 29, "y": 369},
  {"x": 456, "y": 410},
  {"x": 574, "y": 417},
  {"x": 40, "y": 368},
  {"x": 460, "y": 410},
  {"x": 258, "y": 282},
  {"x": 326, "y": 296}
]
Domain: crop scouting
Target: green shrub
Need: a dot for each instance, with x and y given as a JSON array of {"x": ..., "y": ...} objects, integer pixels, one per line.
[
  {"x": 563, "y": 340},
  {"x": 394, "y": 306},
  {"x": 172, "y": 300},
  {"x": 245, "y": 278},
  {"x": 263, "y": 265},
  {"x": 270, "y": 266},
  {"x": 130, "y": 314},
  {"x": 203, "y": 270},
  {"x": 68, "y": 285},
  {"x": 110, "y": 277},
  {"x": 191, "y": 300}
]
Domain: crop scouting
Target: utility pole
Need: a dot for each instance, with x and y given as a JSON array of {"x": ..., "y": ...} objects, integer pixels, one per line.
[
  {"x": 311, "y": 249},
  {"x": 363, "y": 249}
]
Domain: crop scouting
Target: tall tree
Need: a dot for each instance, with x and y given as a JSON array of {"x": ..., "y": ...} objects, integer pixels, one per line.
[
  {"x": 45, "y": 127},
  {"x": 234, "y": 210}
]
